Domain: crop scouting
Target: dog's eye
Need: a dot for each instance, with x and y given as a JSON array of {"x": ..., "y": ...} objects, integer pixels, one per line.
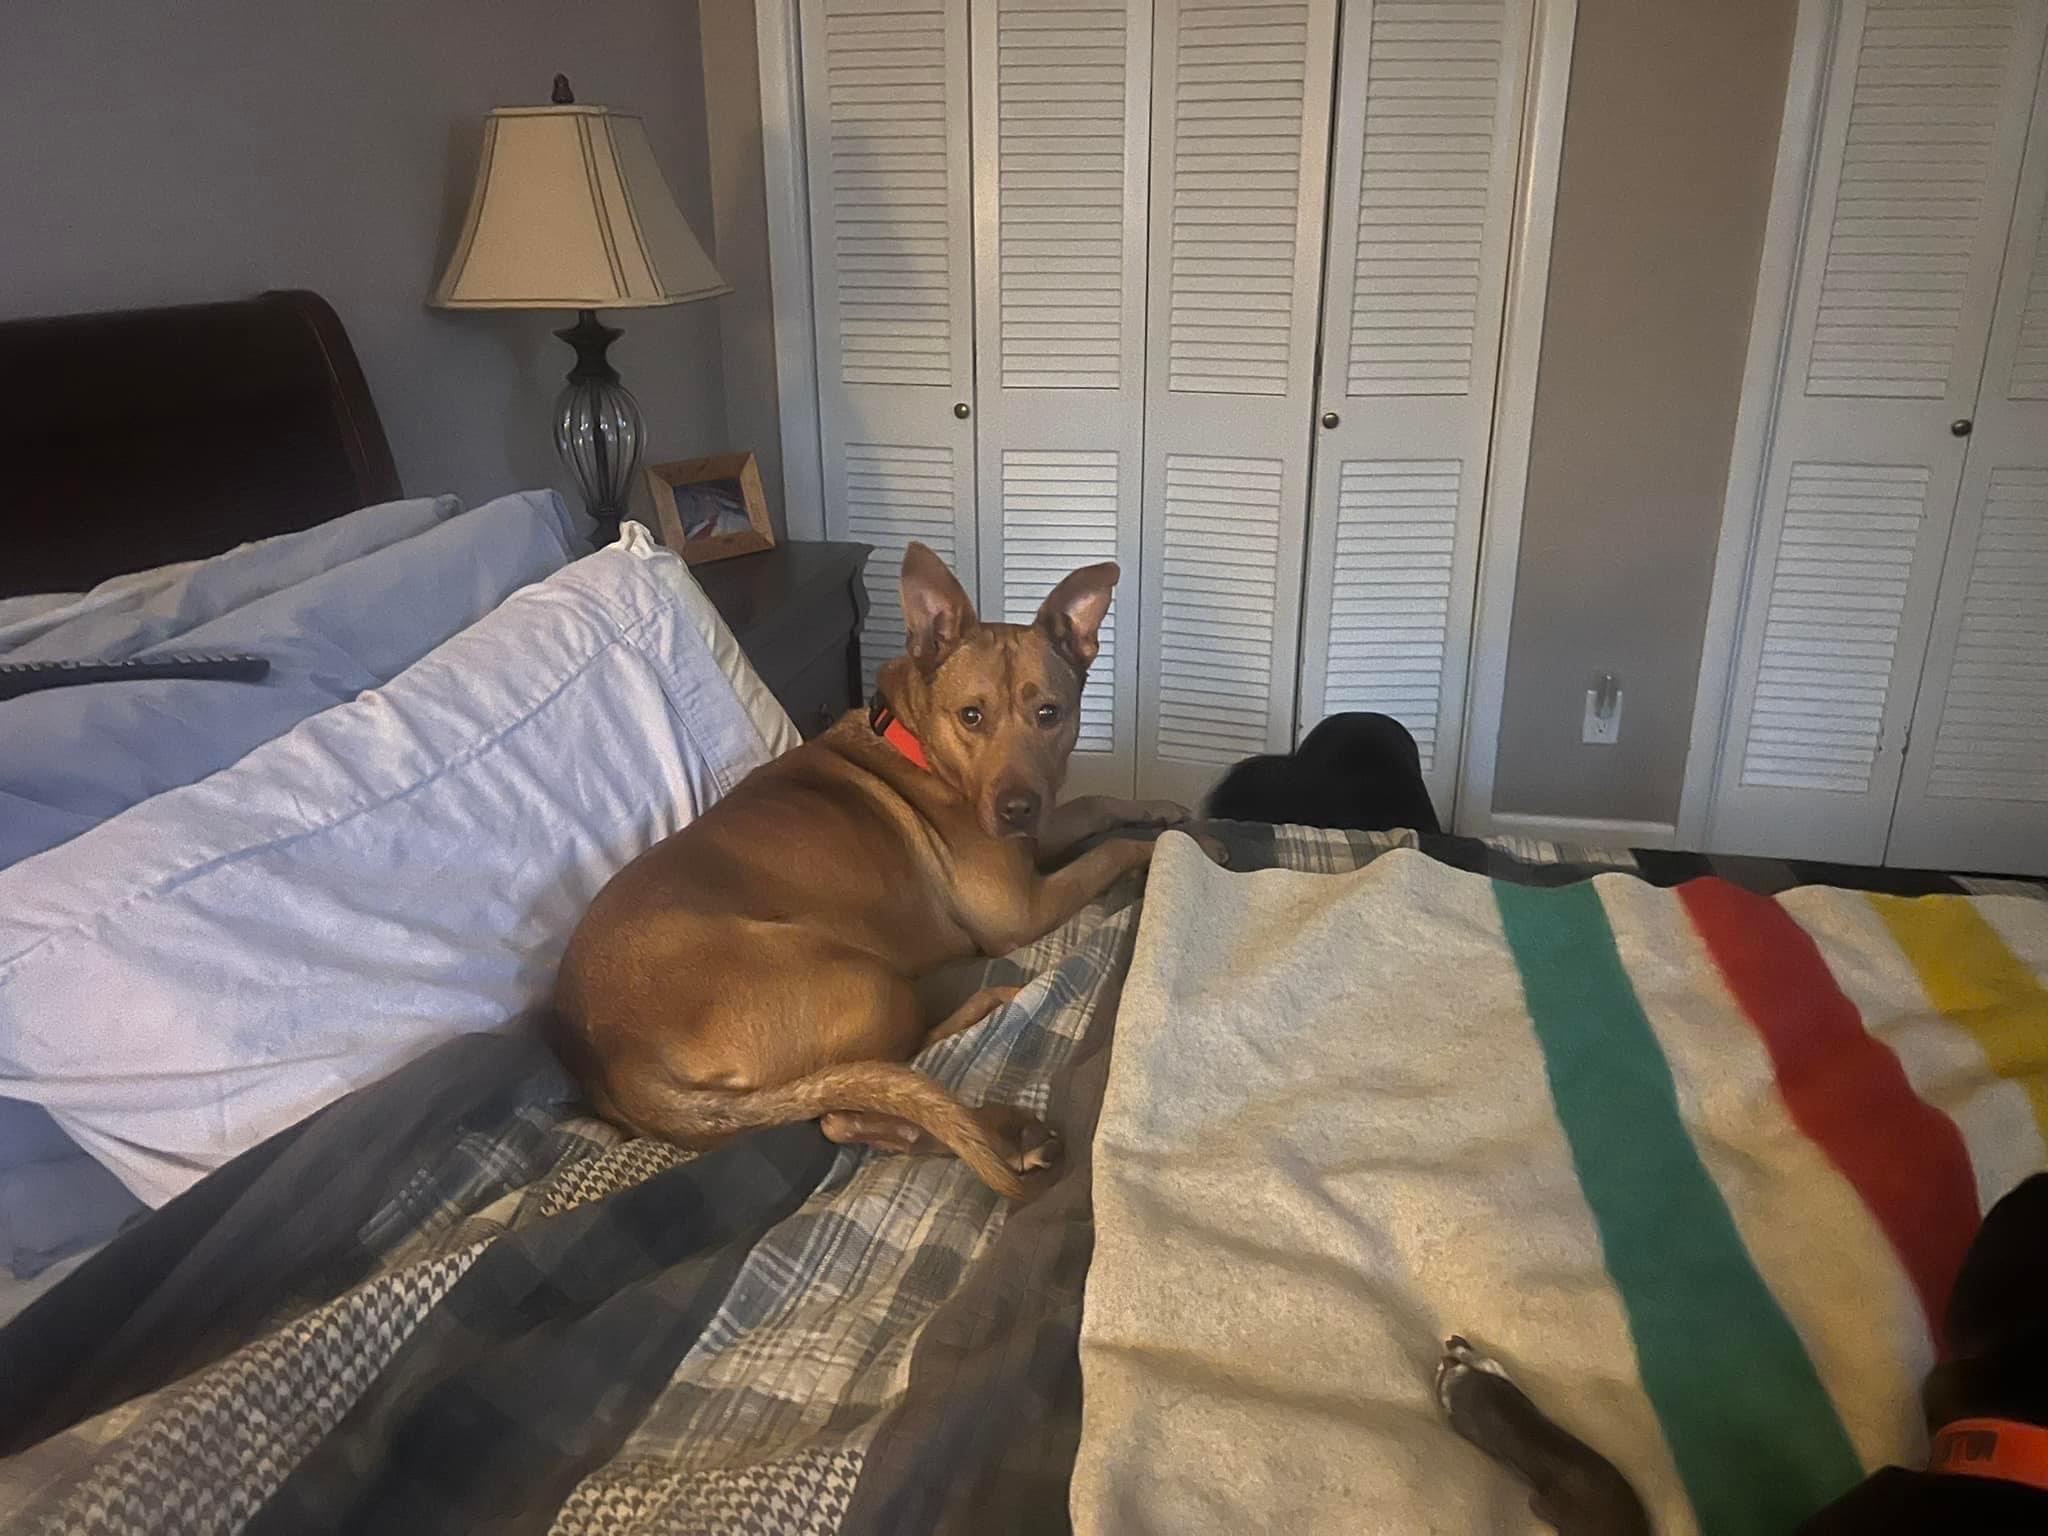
[
  {"x": 1048, "y": 714},
  {"x": 970, "y": 717}
]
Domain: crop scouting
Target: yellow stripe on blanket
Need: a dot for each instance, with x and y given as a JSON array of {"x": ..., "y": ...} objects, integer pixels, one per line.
[{"x": 1977, "y": 983}]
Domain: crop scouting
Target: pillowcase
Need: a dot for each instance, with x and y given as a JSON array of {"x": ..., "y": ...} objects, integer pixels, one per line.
[
  {"x": 123, "y": 614},
  {"x": 762, "y": 707},
  {"x": 71, "y": 757},
  {"x": 216, "y": 963}
]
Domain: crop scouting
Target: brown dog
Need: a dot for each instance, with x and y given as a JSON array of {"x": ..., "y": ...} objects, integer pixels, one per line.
[{"x": 755, "y": 969}]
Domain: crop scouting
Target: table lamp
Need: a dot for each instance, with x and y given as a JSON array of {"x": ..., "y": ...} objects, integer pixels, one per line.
[{"x": 571, "y": 212}]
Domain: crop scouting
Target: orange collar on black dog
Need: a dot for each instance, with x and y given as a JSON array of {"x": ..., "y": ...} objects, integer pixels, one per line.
[
  {"x": 892, "y": 730},
  {"x": 2004, "y": 1449}
]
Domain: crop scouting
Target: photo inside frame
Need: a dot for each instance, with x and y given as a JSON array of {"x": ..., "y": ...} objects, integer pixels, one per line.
[{"x": 706, "y": 508}]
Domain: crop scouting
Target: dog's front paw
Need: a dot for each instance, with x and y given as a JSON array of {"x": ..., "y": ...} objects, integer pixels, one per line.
[
  {"x": 1218, "y": 851},
  {"x": 1159, "y": 813}
]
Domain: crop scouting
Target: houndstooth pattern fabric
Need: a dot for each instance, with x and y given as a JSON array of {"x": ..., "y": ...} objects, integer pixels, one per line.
[
  {"x": 630, "y": 1161},
  {"x": 206, "y": 1453},
  {"x": 804, "y": 1494}
]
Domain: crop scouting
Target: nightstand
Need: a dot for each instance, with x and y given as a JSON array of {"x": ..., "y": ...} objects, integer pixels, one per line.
[{"x": 796, "y": 611}]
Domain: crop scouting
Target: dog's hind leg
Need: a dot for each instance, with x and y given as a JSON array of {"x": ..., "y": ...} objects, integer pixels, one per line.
[
  {"x": 888, "y": 1133},
  {"x": 999, "y": 1143},
  {"x": 972, "y": 1012}
]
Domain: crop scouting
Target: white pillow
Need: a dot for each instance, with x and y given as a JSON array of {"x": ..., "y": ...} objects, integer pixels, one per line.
[
  {"x": 71, "y": 757},
  {"x": 215, "y": 963},
  {"x": 762, "y": 707}
]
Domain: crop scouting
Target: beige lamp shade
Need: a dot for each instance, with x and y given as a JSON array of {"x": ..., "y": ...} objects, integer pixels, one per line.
[{"x": 571, "y": 212}]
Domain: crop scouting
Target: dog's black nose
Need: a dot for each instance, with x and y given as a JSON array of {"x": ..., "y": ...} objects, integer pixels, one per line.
[{"x": 1018, "y": 808}]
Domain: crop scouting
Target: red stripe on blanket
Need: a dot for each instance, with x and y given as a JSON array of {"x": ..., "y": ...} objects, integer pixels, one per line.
[{"x": 1846, "y": 1091}]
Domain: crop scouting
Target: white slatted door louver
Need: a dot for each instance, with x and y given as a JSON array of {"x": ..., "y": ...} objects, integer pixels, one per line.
[
  {"x": 1975, "y": 789},
  {"x": 2028, "y": 380},
  {"x": 885, "y": 107},
  {"x": 1906, "y": 224},
  {"x": 1429, "y": 117},
  {"x": 1239, "y": 143},
  {"x": 1061, "y": 97}
]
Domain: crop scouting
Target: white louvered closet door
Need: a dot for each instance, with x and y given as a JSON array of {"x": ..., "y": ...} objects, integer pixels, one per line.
[
  {"x": 1975, "y": 791},
  {"x": 1428, "y": 134},
  {"x": 1910, "y": 202},
  {"x": 885, "y": 107},
  {"x": 1061, "y": 107},
  {"x": 1240, "y": 132}
]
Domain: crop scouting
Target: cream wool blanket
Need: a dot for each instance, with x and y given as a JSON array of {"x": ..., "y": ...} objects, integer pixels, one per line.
[{"x": 1697, "y": 1165}]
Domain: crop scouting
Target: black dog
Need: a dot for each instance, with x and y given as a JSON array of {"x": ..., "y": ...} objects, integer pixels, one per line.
[
  {"x": 1356, "y": 771},
  {"x": 1987, "y": 1408}
]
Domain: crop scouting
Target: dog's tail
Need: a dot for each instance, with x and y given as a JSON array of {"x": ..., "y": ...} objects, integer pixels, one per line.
[{"x": 656, "y": 1103}]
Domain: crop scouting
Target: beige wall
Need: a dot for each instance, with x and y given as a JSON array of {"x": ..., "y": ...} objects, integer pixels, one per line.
[
  {"x": 162, "y": 154},
  {"x": 1670, "y": 134}
]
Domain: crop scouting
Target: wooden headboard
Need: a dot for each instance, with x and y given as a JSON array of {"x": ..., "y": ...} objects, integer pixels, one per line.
[{"x": 139, "y": 437}]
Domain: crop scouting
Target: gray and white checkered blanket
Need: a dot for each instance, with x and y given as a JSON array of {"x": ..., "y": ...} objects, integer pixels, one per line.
[{"x": 452, "y": 1301}]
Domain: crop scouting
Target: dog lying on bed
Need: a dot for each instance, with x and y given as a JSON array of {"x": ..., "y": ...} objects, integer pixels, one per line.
[{"x": 756, "y": 968}]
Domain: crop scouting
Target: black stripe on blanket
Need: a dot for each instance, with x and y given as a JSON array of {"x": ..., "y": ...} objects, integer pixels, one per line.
[
  {"x": 284, "y": 1221},
  {"x": 547, "y": 1352}
]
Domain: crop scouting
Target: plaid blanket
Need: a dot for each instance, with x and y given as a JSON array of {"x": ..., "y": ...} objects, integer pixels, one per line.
[{"x": 453, "y": 1301}]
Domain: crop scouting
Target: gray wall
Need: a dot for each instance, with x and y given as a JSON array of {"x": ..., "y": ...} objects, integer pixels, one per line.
[
  {"x": 732, "y": 107},
  {"x": 1670, "y": 134},
  {"x": 200, "y": 149}
]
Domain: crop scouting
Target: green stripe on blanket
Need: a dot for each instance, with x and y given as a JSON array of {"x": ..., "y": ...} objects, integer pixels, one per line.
[
  {"x": 1720, "y": 1362},
  {"x": 1696, "y": 1168}
]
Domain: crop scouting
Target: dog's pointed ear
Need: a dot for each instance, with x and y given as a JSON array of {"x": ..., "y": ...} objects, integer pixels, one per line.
[
  {"x": 936, "y": 610},
  {"x": 1072, "y": 613}
]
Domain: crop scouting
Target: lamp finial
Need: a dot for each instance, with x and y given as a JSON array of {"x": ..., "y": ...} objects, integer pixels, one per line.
[{"x": 562, "y": 96}]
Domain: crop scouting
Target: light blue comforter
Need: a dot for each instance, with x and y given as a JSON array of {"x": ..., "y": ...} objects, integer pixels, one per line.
[{"x": 72, "y": 757}]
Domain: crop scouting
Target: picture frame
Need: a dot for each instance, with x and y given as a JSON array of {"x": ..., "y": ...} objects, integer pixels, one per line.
[{"x": 711, "y": 508}]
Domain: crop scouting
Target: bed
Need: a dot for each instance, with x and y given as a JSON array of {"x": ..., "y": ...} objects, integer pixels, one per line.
[{"x": 1320, "y": 1108}]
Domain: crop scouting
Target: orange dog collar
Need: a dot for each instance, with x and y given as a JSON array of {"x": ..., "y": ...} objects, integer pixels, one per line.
[
  {"x": 892, "y": 730},
  {"x": 2004, "y": 1449}
]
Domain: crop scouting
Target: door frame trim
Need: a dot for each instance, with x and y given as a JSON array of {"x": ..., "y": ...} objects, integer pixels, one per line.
[
  {"x": 1813, "y": 42},
  {"x": 1551, "y": 41},
  {"x": 1600, "y": 834}
]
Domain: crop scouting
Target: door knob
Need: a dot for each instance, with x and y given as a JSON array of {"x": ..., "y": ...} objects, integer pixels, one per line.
[
  {"x": 1329, "y": 418},
  {"x": 962, "y": 410},
  {"x": 1962, "y": 426}
]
